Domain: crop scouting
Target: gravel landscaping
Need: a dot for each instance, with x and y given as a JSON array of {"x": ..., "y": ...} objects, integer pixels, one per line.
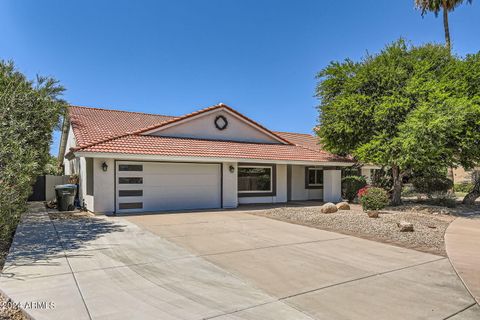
[
  {"x": 428, "y": 234},
  {"x": 8, "y": 310}
]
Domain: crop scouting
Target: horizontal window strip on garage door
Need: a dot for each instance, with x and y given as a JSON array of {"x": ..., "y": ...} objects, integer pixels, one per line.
[
  {"x": 130, "y": 193},
  {"x": 130, "y": 180},
  {"x": 130, "y": 205},
  {"x": 130, "y": 167}
]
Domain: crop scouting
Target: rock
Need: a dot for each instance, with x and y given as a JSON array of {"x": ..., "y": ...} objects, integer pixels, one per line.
[
  {"x": 343, "y": 206},
  {"x": 405, "y": 226},
  {"x": 372, "y": 214},
  {"x": 329, "y": 208}
]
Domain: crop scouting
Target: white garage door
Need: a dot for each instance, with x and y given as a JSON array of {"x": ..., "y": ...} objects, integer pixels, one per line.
[{"x": 160, "y": 186}]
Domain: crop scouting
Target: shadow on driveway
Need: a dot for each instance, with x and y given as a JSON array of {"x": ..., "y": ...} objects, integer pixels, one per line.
[{"x": 39, "y": 240}]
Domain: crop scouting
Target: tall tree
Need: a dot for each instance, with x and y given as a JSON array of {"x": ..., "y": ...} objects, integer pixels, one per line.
[
  {"x": 436, "y": 6},
  {"x": 406, "y": 108}
]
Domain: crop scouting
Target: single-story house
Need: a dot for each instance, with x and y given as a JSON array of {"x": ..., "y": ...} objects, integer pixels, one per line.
[{"x": 212, "y": 158}]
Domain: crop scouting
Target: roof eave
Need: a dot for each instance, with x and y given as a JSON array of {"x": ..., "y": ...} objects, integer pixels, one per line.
[{"x": 151, "y": 157}]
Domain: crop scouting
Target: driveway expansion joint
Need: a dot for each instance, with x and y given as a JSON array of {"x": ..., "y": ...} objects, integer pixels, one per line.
[
  {"x": 70, "y": 267},
  {"x": 272, "y": 246},
  {"x": 460, "y": 311}
]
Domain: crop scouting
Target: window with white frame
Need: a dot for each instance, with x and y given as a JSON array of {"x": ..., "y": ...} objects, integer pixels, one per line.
[
  {"x": 255, "y": 179},
  {"x": 314, "y": 177}
]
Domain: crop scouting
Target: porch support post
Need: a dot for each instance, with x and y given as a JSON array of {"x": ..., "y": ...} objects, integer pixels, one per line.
[
  {"x": 229, "y": 185},
  {"x": 332, "y": 185}
]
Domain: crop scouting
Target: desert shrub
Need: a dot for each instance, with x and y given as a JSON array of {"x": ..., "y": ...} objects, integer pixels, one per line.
[
  {"x": 432, "y": 184},
  {"x": 374, "y": 199},
  {"x": 351, "y": 185},
  {"x": 463, "y": 187}
]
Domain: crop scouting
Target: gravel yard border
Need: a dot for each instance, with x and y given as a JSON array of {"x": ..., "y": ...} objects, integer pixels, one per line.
[
  {"x": 10, "y": 311},
  {"x": 427, "y": 237}
]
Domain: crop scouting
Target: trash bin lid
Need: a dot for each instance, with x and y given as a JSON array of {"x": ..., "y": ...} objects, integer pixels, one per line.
[{"x": 66, "y": 186}]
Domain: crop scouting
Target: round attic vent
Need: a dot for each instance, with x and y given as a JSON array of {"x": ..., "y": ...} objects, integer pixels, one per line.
[{"x": 221, "y": 122}]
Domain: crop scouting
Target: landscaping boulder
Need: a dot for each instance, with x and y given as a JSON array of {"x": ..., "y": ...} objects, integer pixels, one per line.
[
  {"x": 343, "y": 206},
  {"x": 329, "y": 208},
  {"x": 405, "y": 226},
  {"x": 372, "y": 213}
]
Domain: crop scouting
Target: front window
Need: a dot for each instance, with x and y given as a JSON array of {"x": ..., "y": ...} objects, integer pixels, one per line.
[
  {"x": 254, "y": 179},
  {"x": 314, "y": 177}
]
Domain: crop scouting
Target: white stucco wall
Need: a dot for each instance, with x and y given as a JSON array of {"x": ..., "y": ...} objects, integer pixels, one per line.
[
  {"x": 281, "y": 194},
  {"x": 367, "y": 174},
  {"x": 103, "y": 186},
  {"x": 70, "y": 166},
  {"x": 332, "y": 185},
  {"x": 204, "y": 127},
  {"x": 298, "y": 190},
  {"x": 85, "y": 200},
  {"x": 50, "y": 183},
  {"x": 230, "y": 185}
]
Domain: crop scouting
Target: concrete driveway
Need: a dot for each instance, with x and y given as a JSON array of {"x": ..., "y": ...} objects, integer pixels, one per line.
[{"x": 225, "y": 265}]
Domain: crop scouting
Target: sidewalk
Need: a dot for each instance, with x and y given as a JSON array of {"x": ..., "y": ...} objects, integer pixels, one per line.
[
  {"x": 37, "y": 274},
  {"x": 462, "y": 241}
]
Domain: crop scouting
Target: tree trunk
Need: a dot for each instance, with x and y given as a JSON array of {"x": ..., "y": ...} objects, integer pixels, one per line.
[
  {"x": 451, "y": 176},
  {"x": 474, "y": 194},
  {"x": 397, "y": 186},
  {"x": 445, "y": 25}
]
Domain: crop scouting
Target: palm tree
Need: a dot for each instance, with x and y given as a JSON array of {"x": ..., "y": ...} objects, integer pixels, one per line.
[{"x": 435, "y": 6}]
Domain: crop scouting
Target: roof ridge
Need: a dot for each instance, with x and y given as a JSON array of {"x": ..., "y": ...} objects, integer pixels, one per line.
[
  {"x": 175, "y": 119},
  {"x": 290, "y": 132},
  {"x": 217, "y": 106},
  {"x": 191, "y": 114},
  {"x": 125, "y": 111},
  {"x": 114, "y": 137}
]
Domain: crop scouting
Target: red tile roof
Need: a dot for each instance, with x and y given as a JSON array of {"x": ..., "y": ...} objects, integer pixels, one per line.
[
  {"x": 93, "y": 124},
  {"x": 187, "y": 147},
  {"x": 113, "y": 131},
  {"x": 301, "y": 139}
]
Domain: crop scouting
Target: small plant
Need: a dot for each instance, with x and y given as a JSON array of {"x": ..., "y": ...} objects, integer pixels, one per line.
[
  {"x": 74, "y": 179},
  {"x": 373, "y": 198},
  {"x": 351, "y": 185},
  {"x": 465, "y": 187},
  {"x": 362, "y": 192}
]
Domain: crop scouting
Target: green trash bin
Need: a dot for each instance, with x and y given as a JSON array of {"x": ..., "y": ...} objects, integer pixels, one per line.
[{"x": 65, "y": 196}]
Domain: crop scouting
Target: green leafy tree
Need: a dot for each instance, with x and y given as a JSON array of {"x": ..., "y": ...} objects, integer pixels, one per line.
[
  {"x": 52, "y": 166},
  {"x": 436, "y": 6},
  {"x": 29, "y": 112},
  {"x": 406, "y": 108}
]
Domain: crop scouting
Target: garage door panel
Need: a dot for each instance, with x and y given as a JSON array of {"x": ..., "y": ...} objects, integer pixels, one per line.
[
  {"x": 171, "y": 186},
  {"x": 172, "y": 181}
]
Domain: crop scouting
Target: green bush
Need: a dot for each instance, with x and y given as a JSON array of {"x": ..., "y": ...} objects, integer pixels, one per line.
[
  {"x": 374, "y": 199},
  {"x": 432, "y": 184},
  {"x": 351, "y": 185},
  {"x": 463, "y": 187},
  {"x": 29, "y": 112}
]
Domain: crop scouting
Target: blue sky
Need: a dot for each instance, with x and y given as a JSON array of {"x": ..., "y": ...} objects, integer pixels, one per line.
[{"x": 174, "y": 57}]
